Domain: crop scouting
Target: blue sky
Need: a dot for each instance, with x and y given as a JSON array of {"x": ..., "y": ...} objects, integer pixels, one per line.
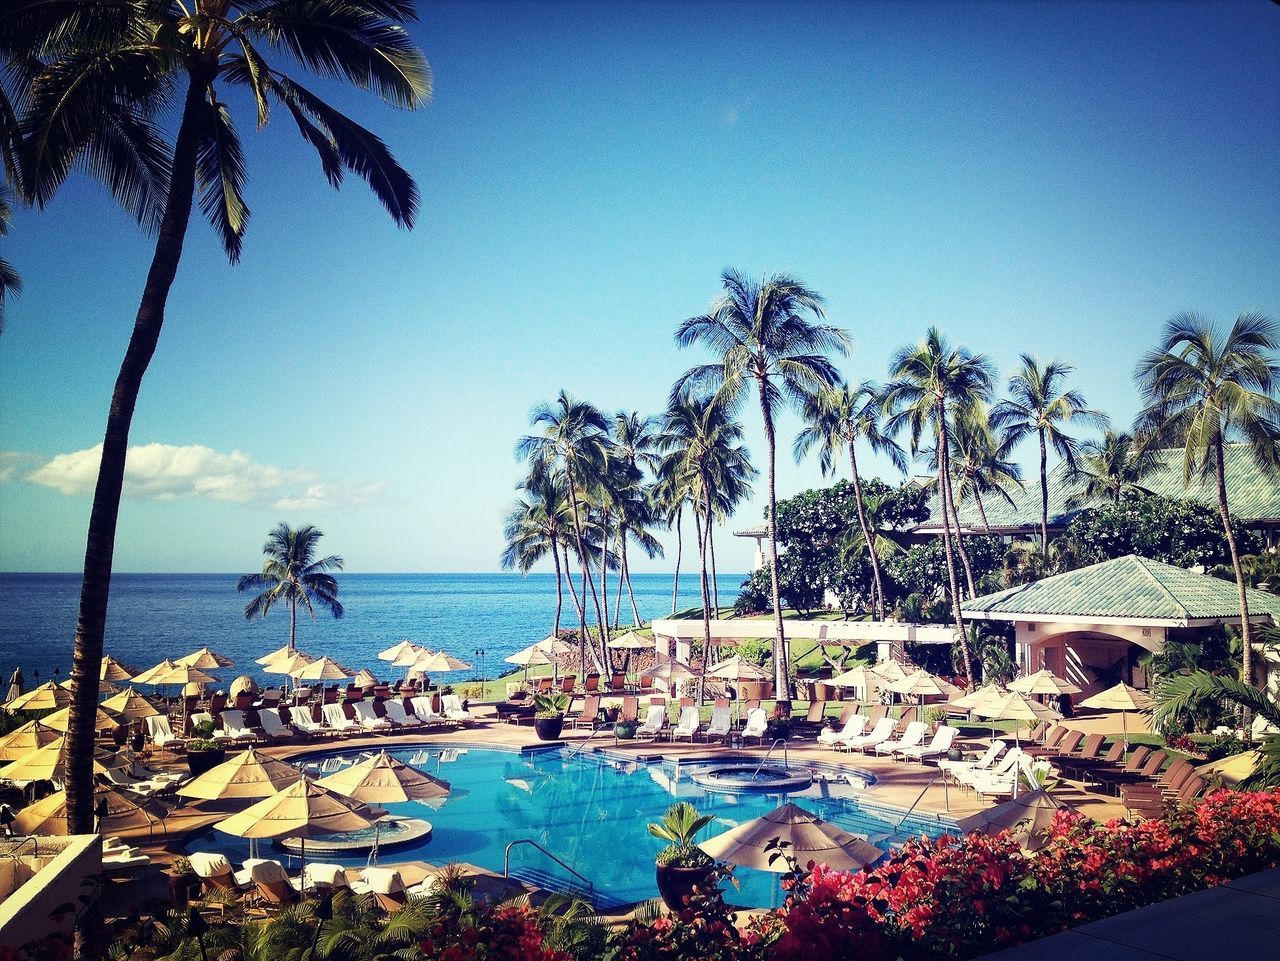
[{"x": 1055, "y": 178}]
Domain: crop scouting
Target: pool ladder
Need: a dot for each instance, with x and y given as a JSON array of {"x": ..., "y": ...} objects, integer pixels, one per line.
[
  {"x": 786, "y": 760},
  {"x": 577, "y": 748},
  {"x": 946, "y": 797},
  {"x": 506, "y": 862}
]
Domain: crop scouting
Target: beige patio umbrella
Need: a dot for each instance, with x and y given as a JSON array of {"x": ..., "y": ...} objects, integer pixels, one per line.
[
  {"x": 1016, "y": 707},
  {"x": 383, "y": 780},
  {"x": 244, "y": 684},
  {"x": 47, "y": 763},
  {"x": 669, "y": 669},
  {"x": 1043, "y": 682},
  {"x": 246, "y": 775},
  {"x": 122, "y": 814},
  {"x": 302, "y": 810},
  {"x": 279, "y": 654},
  {"x": 919, "y": 683},
  {"x": 289, "y": 663},
  {"x": 169, "y": 673},
  {"x": 104, "y": 719},
  {"x": 365, "y": 678},
  {"x": 860, "y": 678},
  {"x": 410, "y": 655},
  {"x": 1029, "y": 819},
  {"x": 150, "y": 675},
  {"x": 113, "y": 670},
  {"x": 551, "y": 644},
  {"x": 1230, "y": 770},
  {"x": 630, "y": 641},
  {"x": 890, "y": 670},
  {"x": 986, "y": 695},
  {"x": 48, "y": 696},
  {"x": 790, "y": 833},
  {"x": 206, "y": 659},
  {"x": 530, "y": 655},
  {"x": 129, "y": 703},
  {"x": 104, "y": 687},
  {"x": 439, "y": 663},
  {"x": 394, "y": 652},
  {"x": 322, "y": 669},
  {"x": 737, "y": 668},
  {"x": 30, "y": 737},
  {"x": 1124, "y": 699}
]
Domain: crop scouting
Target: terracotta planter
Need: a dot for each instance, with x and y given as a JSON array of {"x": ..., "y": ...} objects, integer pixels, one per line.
[
  {"x": 548, "y": 728},
  {"x": 675, "y": 884}
]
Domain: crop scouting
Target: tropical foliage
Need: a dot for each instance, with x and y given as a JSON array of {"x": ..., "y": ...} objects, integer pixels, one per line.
[{"x": 294, "y": 576}]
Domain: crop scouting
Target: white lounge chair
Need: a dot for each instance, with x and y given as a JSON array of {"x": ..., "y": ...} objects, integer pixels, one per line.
[
  {"x": 966, "y": 776},
  {"x": 273, "y": 725},
  {"x": 118, "y": 856},
  {"x": 757, "y": 724},
  {"x": 879, "y": 734},
  {"x": 203, "y": 717},
  {"x": 984, "y": 763},
  {"x": 423, "y": 710},
  {"x": 689, "y": 724},
  {"x": 338, "y": 722},
  {"x": 451, "y": 704},
  {"x": 721, "y": 723},
  {"x": 236, "y": 727},
  {"x": 1000, "y": 785},
  {"x": 398, "y": 716},
  {"x": 367, "y": 719},
  {"x": 654, "y": 722},
  {"x": 937, "y": 747},
  {"x": 215, "y": 873},
  {"x": 160, "y": 732},
  {"x": 321, "y": 875},
  {"x": 303, "y": 722},
  {"x": 913, "y": 736},
  {"x": 856, "y": 726}
]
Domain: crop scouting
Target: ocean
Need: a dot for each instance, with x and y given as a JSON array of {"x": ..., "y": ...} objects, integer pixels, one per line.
[{"x": 480, "y": 618}]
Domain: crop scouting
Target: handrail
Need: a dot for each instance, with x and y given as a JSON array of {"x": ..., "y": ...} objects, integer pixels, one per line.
[
  {"x": 946, "y": 795},
  {"x": 506, "y": 861},
  {"x": 578, "y": 747},
  {"x": 17, "y": 851},
  {"x": 786, "y": 759}
]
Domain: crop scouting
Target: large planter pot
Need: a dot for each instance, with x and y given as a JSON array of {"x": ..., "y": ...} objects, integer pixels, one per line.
[
  {"x": 181, "y": 889},
  {"x": 675, "y": 884},
  {"x": 548, "y": 728},
  {"x": 200, "y": 761},
  {"x": 624, "y": 732}
]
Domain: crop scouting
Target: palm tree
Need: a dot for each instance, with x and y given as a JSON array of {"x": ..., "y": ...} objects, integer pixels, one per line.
[
  {"x": 669, "y": 500},
  {"x": 10, "y": 282},
  {"x": 932, "y": 384},
  {"x": 1179, "y": 698},
  {"x": 574, "y": 442},
  {"x": 536, "y": 527},
  {"x": 100, "y": 81},
  {"x": 1039, "y": 405},
  {"x": 1204, "y": 388},
  {"x": 635, "y": 440},
  {"x": 981, "y": 463},
  {"x": 854, "y": 544},
  {"x": 765, "y": 335},
  {"x": 293, "y": 575},
  {"x": 1115, "y": 466},
  {"x": 838, "y": 418}
]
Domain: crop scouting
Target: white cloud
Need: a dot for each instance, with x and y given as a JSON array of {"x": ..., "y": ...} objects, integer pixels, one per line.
[{"x": 171, "y": 472}]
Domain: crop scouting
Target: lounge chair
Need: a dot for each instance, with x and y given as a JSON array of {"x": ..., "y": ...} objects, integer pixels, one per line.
[
  {"x": 303, "y": 722},
  {"x": 814, "y": 718},
  {"x": 1157, "y": 806},
  {"x": 721, "y": 723},
  {"x": 966, "y": 777},
  {"x": 544, "y": 685},
  {"x": 998, "y": 786},
  {"x": 118, "y": 856},
  {"x": 655, "y": 722},
  {"x": 320, "y": 877},
  {"x": 913, "y": 736},
  {"x": 272, "y": 884},
  {"x": 1168, "y": 783},
  {"x": 984, "y": 763},
  {"x": 881, "y": 732},
  {"x": 630, "y": 710},
  {"x": 388, "y": 889},
  {"x": 849, "y": 710},
  {"x": 937, "y": 747},
  {"x": 590, "y": 715},
  {"x": 592, "y": 685},
  {"x": 568, "y": 683},
  {"x": 146, "y": 789},
  {"x": 367, "y": 718},
  {"x": 908, "y": 716},
  {"x": 338, "y": 722},
  {"x": 1083, "y": 769},
  {"x": 203, "y": 717},
  {"x": 1051, "y": 742},
  {"x": 160, "y": 732},
  {"x": 1150, "y": 769},
  {"x": 236, "y": 727},
  {"x": 451, "y": 704},
  {"x": 215, "y": 873},
  {"x": 423, "y": 710},
  {"x": 855, "y": 726},
  {"x": 757, "y": 725},
  {"x": 398, "y": 716},
  {"x": 273, "y": 725},
  {"x": 689, "y": 724},
  {"x": 878, "y": 713}
]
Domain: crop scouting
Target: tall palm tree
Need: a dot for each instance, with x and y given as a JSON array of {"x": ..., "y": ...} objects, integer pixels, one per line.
[
  {"x": 293, "y": 575},
  {"x": 10, "y": 282},
  {"x": 669, "y": 500},
  {"x": 1180, "y": 697},
  {"x": 981, "y": 462},
  {"x": 1038, "y": 404},
  {"x": 575, "y": 442},
  {"x": 1204, "y": 388},
  {"x": 1114, "y": 466},
  {"x": 933, "y": 383},
  {"x": 635, "y": 440},
  {"x": 838, "y": 419},
  {"x": 101, "y": 81},
  {"x": 536, "y": 526},
  {"x": 766, "y": 335}
]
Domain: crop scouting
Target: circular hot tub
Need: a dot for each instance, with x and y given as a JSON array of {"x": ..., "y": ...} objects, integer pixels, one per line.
[
  {"x": 391, "y": 832},
  {"x": 751, "y": 777}
]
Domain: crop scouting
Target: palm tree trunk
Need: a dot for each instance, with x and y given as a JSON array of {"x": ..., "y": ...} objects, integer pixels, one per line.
[
  {"x": 957, "y": 616},
  {"x": 675, "y": 583},
  {"x": 877, "y": 582},
  {"x": 586, "y": 572},
  {"x": 622, "y": 577},
  {"x": 100, "y": 543},
  {"x": 573, "y": 591},
  {"x": 982, "y": 511},
  {"x": 555, "y": 557},
  {"x": 703, "y": 536},
  {"x": 293, "y": 623},
  {"x": 1246, "y": 629},
  {"x": 631, "y": 593},
  {"x": 781, "y": 672},
  {"x": 1044, "y": 496},
  {"x": 711, "y": 550},
  {"x": 605, "y": 655},
  {"x": 964, "y": 553}
]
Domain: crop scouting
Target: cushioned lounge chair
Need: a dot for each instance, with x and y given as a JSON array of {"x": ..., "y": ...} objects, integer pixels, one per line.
[
  {"x": 855, "y": 726},
  {"x": 688, "y": 726},
  {"x": 937, "y": 747}
]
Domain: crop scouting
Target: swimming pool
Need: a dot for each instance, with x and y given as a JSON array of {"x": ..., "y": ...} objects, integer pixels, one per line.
[{"x": 591, "y": 811}]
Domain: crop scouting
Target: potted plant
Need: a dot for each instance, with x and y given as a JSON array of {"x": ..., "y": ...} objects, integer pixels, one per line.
[
  {"x": 936, "y": 716},
  {"x": 183, "y": 880},
  {"x": 779, "y": 725},
  {"x": 681, "y": 865},
  {"x": 624, "y": 730},
  {"x": 548, "y": 715},
  {"x": 202, "y": 753}
]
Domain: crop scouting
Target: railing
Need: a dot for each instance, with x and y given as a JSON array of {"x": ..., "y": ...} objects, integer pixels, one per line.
[
  {"x": 506, "y": 861},
  {"x": 946, "y": 797},
  {"x": 586, "y": 741},
  {"x": 786, "y": 760}
]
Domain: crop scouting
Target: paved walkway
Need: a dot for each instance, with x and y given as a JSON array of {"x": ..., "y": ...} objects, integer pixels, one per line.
[{"x": 1239, "y": 921}]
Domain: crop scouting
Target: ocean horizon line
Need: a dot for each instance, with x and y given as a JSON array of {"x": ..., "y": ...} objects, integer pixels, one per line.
[{"x": 549, "y": 574}]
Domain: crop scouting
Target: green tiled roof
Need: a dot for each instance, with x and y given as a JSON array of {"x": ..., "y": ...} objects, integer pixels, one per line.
[
  {"x": 1128, "y": 587},
  {"x": 1252, "y": 495}
]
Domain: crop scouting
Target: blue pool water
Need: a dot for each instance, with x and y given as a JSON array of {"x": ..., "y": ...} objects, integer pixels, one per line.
[{"x": 591, "y": 811}]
